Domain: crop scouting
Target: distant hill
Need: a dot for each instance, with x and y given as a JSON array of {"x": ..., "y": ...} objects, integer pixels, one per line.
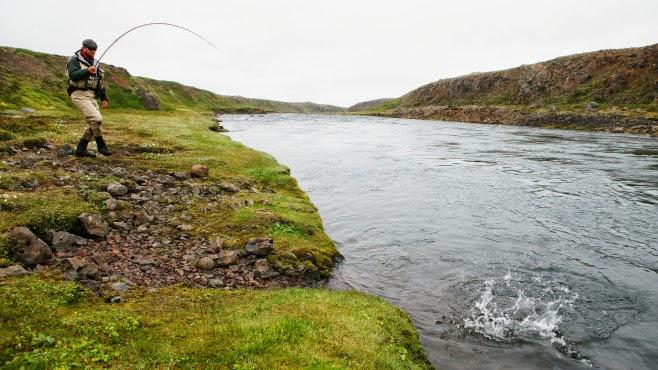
[
  {"x": 586, "y": 86},
  {"x": 38, "y": 80}
]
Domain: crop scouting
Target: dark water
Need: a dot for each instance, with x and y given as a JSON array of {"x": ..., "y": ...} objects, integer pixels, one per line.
[{"x": 510, "y": 247}]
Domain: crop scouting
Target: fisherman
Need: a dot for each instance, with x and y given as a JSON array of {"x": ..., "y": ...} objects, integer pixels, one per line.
[{"x": 85, "y": 86}]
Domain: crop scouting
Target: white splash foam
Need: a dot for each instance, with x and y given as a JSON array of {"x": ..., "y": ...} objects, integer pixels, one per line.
[{"x": 506, "y": 318}]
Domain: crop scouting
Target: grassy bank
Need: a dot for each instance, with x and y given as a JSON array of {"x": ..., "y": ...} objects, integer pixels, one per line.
[
  {"x": 49, "y": 322},
  {"x": 177, "y": 327}
]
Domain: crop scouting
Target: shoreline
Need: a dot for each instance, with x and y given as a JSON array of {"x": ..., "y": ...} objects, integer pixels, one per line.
[{"x": 605, "y": 121}]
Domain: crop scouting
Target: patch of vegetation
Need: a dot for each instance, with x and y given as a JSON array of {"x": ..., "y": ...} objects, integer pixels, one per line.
[
  {"x": 42, "y": 211},
  {"x": 49, "y": 324}
]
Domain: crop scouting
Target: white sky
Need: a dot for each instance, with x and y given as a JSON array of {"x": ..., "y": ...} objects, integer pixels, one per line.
[{"x": 334, "y": 52}]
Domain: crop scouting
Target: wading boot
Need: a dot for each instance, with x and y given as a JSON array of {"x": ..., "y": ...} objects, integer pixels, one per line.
[
  {"x": 102, "y": 147},
  {"x": 81, "y": 150}
]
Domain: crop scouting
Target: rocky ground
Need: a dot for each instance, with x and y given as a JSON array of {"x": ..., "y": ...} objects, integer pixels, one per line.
[{"x": 142, "y": 236}]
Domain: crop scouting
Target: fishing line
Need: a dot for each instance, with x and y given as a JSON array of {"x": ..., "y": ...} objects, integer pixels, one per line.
[{"x": 98, "y": 61}]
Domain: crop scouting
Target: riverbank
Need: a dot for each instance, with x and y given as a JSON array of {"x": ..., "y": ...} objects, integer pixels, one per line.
[
  {"x": 139, "y": 258},
  {"x": 610, "y": 120}
]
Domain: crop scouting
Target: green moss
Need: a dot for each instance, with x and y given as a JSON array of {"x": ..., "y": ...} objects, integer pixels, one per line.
[
  {"x": 43, "y": 211},
  {"x": 53, "y": 323}
]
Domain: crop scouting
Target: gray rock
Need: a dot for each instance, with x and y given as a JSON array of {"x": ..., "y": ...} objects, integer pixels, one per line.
[
  {"x": 226, "y": 258},
  {"x": 205, "y": 263},
  {"x": 120, "y": 225},
  {"x": 94, "y": 225},
  {"x": 28, "y": 110},
  {"x": 120, "y": 287},
  {"x": 14, "y": 270},
  {"x": 228, "y": 187},
  {"x": 65, "y": 150},
  {"x": 31, "y": 250},
  {"x": 31, "y": 183},
  {"x": 259, "y": 246},
  {"x": 199, "y": 171},
  {"x": 67, "y": 241},
  {"x": 216, "y": 283},
  {"x": 116, "y": 189}
]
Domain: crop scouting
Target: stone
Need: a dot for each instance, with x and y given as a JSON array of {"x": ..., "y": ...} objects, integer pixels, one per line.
[
  {"x": 65, "y": 150},
  {"x": 216, "y": 283},
  {"x": 199, "y": 171},
  {"x": 90, "y": 271},
  {"x": 140, "y": 218},
  {"x": 77, "y": 263},
  {"x": 14, "y": 270},
  {"x": 31, "y": 251},
  {"x": 185, "y": 227},
  {"x": 120, "y": 286},
  {"x": 205, "y": 263},
  {"x": 145, "y": 261},
  {"x": 227, "y": 257},
  {"x": 28, "y": 110},
  {"x": 263, "y": 269},
  {"x": 228, "y": 187},
  {"x": 180, "y": 175},
  {"x": 111, "y": 204},
  {"x": 94, "y": 225},
  {"x": 67, "y": 241},
  {"x": 31, "y": 184},
  {"x": 591, "y": 106},
  {"x": 116, "y": 189},
  {"x": 120, "y": 225},
  {"x": 260, "y": 246}
]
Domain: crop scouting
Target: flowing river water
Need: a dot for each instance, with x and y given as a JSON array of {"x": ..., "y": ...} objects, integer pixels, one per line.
[{"x": 510, "y": 247}]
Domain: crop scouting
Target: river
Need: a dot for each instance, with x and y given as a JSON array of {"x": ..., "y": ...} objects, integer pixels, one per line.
[{"x": 510, "y": 247}]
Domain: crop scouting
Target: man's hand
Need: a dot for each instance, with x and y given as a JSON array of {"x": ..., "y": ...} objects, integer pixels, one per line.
[
  {"x": 104, "y": 104},
  {"x": 92, "y": 70}
]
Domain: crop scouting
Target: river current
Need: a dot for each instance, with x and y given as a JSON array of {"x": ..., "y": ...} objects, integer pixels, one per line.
[{"x": 510, "y": 247}]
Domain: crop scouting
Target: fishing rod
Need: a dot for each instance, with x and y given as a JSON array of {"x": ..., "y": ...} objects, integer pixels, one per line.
[{"x": 98, "y": 61}]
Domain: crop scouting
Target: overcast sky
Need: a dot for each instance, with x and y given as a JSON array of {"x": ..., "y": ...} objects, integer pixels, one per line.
[{"x": 333, "y": 52}]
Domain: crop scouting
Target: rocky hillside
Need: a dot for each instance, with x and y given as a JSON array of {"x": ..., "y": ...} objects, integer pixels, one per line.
[
  {"x": 622, "y": 83},
  {"x": 38, "y": 80}
]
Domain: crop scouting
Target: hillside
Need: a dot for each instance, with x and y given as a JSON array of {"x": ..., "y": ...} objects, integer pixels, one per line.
[
  {"x": 612, "y": 90},
  {"x": 38, "y": 80}
]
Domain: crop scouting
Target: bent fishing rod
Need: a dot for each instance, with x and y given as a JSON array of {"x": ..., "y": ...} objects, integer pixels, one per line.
[{"x": 98, "y": 61}]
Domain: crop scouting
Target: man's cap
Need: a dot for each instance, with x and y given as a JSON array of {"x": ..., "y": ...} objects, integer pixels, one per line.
[{"x": 90, "y": 44}]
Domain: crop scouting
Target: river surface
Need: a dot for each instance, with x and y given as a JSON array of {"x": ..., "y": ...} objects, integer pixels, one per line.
[{"x": 510, "y": 247}]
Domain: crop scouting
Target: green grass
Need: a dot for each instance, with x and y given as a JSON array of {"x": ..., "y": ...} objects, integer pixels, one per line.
[{"x": 48, "y": 324}]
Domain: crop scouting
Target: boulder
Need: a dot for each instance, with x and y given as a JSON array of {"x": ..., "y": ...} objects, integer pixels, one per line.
[
  {"x": 31, "y": 250},
  {"x": 227, "y": 257},
  {"x": 205, "y": 263},
  {"x": 116, "y": 190},
  {"x": 94, "y": 225},
  {"x": 199, "y": 171},
  {"x": 14, "y": 270},
  {"x": 259, "y": 246}
]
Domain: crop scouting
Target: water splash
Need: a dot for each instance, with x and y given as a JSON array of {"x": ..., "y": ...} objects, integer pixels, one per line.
[{"x": 508, "y": 310}]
